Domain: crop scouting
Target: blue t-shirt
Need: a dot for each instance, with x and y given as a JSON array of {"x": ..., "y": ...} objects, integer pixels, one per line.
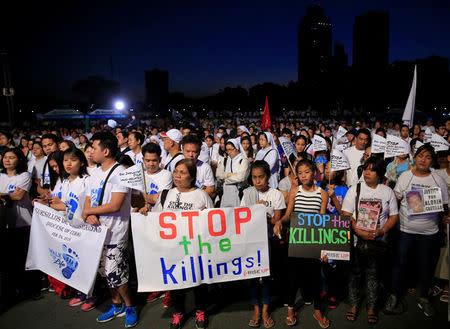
[
  {"x": 340, "y": 192},
  {"x": 400, "y": 168}
]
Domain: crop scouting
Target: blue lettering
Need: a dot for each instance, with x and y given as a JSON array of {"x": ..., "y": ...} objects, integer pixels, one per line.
[{"x": 168, "y": 272}]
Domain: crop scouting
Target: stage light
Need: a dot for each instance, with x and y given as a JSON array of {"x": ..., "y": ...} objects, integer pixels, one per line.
[{"x": 119, "y": 105}]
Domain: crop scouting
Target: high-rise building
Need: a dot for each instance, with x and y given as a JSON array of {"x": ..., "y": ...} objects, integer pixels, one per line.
[
  {"x": 157, "y": 91},
  {"x": 314, "y": 45},
  {"x": 371, "y": 42},
  {"x": 340, "y": 58}
]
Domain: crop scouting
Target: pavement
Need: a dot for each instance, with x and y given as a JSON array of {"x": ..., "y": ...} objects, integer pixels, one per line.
[{"x": 231, "y": 310}]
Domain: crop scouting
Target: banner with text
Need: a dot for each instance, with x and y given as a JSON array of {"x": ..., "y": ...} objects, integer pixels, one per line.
[
  {"x": 339, "y": 161},
  {"x": 378, "y": 144},
  {"x": 316, "y": 235},
  {"x": 396, "y": 146},
  {"x": 288, "y": 147},
  {"x": 68, "y": 253},
  {"x": 423, "y": 201},
  {"x": 132, "y": 177},
  {"x": 182, "y": 249}
]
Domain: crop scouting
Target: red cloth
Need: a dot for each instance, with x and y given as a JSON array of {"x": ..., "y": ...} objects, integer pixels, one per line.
[
  {"x": 265, "y": 120},
  {"x": 60, "y": 288}
]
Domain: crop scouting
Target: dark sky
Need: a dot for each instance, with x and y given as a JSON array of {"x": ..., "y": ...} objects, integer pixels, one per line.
[{"x": 205, "y": 45}]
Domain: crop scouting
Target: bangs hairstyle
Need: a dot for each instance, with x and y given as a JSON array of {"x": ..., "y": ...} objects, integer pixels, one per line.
[
  {"x": 306, "y": 162},
  {"x": 250, "y": 149},
  {"x": 107, "y": 141},
  {"x": 260, "y": 164},
  {"x": 21, "y": 160},
  {"x": 191, "y": 167},
  {"x": 77, "y": 153},
  {"x": 375, "y": 164},
  {"x": 57, "y": 156},
  {"x": 430, "y": 149}
]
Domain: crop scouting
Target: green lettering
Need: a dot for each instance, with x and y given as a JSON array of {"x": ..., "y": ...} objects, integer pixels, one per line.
[
  {"x": 343, "y": 235},
  {"x": 304, "y": 236},
  {"x": 225, "y": 245},
  {"x": 292, "y": 231},
  {"x": 326, "y": 236}
]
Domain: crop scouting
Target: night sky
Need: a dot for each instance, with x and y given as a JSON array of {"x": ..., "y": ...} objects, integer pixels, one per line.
[{"x": 205, "y": 45}]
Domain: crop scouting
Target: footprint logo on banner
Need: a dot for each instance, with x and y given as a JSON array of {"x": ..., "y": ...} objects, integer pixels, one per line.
[
  {"x": 72, "y": 205},
  {"x": 71, "y": 259},
  {"x": 11, "y": 188}
]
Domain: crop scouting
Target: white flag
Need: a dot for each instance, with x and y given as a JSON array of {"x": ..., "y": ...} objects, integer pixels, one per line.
[
  {"x": 341, "y": 132},
  {"x": 319, "y": 143},
  {"x": 439, "y": 143},
  {"x": 132, "y": 177},
  {"x": 339, "y": 161},
  {"x": 396, "y": 146},
  {"x": 378, "y": 144},
  {"x": 418, "y": 144},
  {"x": 408, "y": 114},
  {"x": 288, "y": 147},
  {"x": 428, "y": 135}
]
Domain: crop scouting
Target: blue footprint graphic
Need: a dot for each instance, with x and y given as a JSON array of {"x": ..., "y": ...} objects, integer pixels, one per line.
[
  {"x": 153, "y": 188},
  {"x": 72, "y": 205},
  {"x": 11, "y": 188},
  {"x": 71, "y": 259}
]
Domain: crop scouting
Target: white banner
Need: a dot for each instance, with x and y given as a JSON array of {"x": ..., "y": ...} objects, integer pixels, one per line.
[
  {"x": 378, "y": 144},
  {"x": 339, "y": 161},
  {"x": 439, "y": 143},
  {"x": 288, "y": 147},
  {"x": 133, "y": 177},
  {"x": 396, "y": 146},
  {"x": 68, "y": 253},
  {"x": 319, "y": 143},
  {"x": 418, "y": 144},
  {"x": 408, "y": 114},
  {"x": 182, "y": 249},
  {"x": 341, "y": 132},
  {"x": 428, "y": 136},
  {"x": 423, "y": 201}
]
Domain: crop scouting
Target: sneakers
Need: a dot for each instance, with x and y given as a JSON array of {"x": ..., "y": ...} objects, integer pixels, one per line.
[
  {"x": 391, "y": 304},
  {"x": 426, "y": 307},
  {"x": 130, "y": 317},
  {"x": 201, "y": 321},
  {"x": 89, "y": 304},
  {"x": 112, "y": 313},
  {"x": 167, "y": 302},
  {"x": 76, "y": 301},
  {"x": 177, "y": 318},
  {"x": 154, "y": 296}
]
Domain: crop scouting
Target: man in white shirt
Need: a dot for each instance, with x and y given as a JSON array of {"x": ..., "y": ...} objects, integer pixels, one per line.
[
  {"x": 355, "y": 154},
  {"x": 42, "y": 173},
  {"x": 172, "y": 140},
  {"x": 112, "y": 210},
  {"x": 205, "y": 177}
]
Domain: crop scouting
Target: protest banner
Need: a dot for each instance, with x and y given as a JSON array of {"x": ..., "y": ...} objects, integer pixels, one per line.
[
  {"x": 396, "y": 146},
  {"x": 439, "y": 143},
  {"x": 428, "y": 135},
  {"x": 378, "y": 144},
  {"x": 133, "y": 177},
  {"x": 288, "y": 147},
  {"x": 341, "y": 132},
  {"x": 423, "y": 201},
  {"x": 339, "y": 161},
  {"x": 319, "y": 143},
  {"x": 68, "y": 253},
  {"x": 418, "y": 144},
  {"x": 368, "y": 214},
  {"x": 315, "y": 235},
  {"x": 182, "y": 249}
]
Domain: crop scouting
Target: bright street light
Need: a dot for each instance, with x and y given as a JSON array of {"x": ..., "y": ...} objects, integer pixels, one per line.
[{"x": 119, "y": 105}]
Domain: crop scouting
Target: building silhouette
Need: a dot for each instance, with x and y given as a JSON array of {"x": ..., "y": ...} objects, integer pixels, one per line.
[
  {"x": 314, "y": 45},
  {"x": 157, "y": 91},
  {"x": 371, "y": 42}
]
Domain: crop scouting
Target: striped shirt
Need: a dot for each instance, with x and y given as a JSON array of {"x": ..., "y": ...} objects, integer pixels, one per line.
[{"x": 308, "y": 202}]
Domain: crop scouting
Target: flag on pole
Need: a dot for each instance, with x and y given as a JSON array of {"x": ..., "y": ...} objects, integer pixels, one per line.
[
  {"x": 396, "y": 146},
  {"x": 132, "y": 177},
  {"x": 319, "y": 143},
  {"x": 439, "y": 143},
  {"x": 378, "y": 144},
  {"x": 265, "y": 120},
  {"x": 408, "y": 114},
  {"x": 339, "y": 161}
]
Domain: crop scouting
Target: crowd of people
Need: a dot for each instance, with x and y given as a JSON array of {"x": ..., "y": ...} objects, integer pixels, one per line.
[{"x": 208, "y": 164}]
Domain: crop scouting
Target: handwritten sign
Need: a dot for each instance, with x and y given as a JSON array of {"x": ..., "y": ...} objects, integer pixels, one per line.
[
  {"x": 378, "y": 144},
  {"x": 312, "y": 235},
  {"x": 396, "y": 146},
  {"x": 288, "y": 147},
  {"x": 132, "y": 177},
  {"x": 423, "y": 201},
  {"x": 339, "y": 161}
]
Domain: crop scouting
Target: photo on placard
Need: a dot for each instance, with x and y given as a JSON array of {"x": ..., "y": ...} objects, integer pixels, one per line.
[
  {"x": 368, "y": 214},
  {"x": 414, "y": 202}
]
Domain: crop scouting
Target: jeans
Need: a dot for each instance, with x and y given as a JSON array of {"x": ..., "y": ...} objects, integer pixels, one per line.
[
  {"x": 260, "y": 291},
  {"x": 425, "y": 252}
]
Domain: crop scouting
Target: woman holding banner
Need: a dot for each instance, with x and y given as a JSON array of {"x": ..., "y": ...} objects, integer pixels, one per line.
[
  {"x": 419, "y": 231},
  {"x": 186, "y": 196},
  {"x": 307, "y": 198},
  {"x": 373, "y": 210}
]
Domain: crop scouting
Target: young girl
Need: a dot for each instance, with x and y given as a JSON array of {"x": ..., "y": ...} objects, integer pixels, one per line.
[
  {"x": 307, "y": 198},
  {"x": 274, "y": 201},
  {"x": 88, "y": 151}
]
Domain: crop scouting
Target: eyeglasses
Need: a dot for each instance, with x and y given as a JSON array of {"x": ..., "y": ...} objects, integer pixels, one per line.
[{"x": 366, "y": 155}]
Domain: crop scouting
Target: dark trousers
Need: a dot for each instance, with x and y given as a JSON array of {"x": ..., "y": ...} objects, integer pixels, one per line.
[
  {"x": 200, "y": 297},
  {"x": 424, "y": 249},
  {"x": 304, "y": 273}
]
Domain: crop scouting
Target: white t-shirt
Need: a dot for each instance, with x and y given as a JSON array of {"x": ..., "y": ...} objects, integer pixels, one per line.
[
  {"x": 285, "y": 184},
  {"x": 270, "y": 155},
  {"x": 173, "y": 162},
  {"x": 57, "y": 189},
  {"x": 215, "y": 153},
  {"x": 273, "y": 198},
  {"x": 22, "y": 209},
  {"x": 137, "y": 158},
  {"x": 176, "y": 200},
  {"x": 354, "y": 157},
  {"x": 117, "y": 222},
  {"x": 38, "y": 169},
  {"x": 204, "y": 153},
  {"x": 30, "y": 165},
  {"x": 161, "y": 180},
  {"x": 205, "y": 176},
  {"x": 73, "y": 196},
  {"x": 426, "y": 224},
  {"x": 444, "y": 176},
  {"x": 91, "y": 170}
]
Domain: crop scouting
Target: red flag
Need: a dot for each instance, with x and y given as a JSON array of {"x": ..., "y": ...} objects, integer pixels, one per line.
[{"x": 265, "y": 120}]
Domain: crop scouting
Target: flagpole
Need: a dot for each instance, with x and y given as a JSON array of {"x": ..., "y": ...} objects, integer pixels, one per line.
[{"x": 145, "y": 184}]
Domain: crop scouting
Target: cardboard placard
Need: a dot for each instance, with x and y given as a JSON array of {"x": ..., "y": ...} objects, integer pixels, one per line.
[{"x": 424, "y": 201}]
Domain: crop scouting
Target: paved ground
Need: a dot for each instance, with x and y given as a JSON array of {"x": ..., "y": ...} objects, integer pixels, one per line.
[{"x": 233, "y": 311}]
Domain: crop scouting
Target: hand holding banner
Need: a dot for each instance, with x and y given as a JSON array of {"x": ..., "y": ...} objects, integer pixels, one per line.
[
  {"x": 288, "y": 147},
  {"x": 132, "y": 177},
  {"x": 378, "y": 144},
  {"x": 339, "y": 161},
  {"x": 396, "y": 146}
]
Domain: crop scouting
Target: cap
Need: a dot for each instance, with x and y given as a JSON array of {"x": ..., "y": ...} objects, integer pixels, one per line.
[{"x": 173, "y": 134}]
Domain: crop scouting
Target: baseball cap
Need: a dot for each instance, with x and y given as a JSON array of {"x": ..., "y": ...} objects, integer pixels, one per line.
[{"x": 173, "y": 134}]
